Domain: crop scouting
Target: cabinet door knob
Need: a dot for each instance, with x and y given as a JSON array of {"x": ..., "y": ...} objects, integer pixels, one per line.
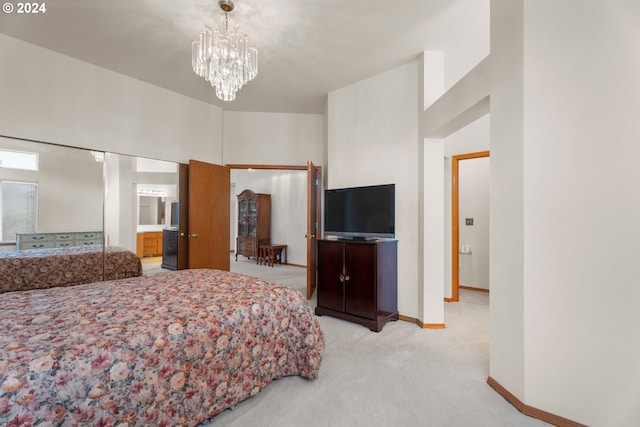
[
  {"x": 342, "y": 278},
  {"x": 346, "y": 278}
]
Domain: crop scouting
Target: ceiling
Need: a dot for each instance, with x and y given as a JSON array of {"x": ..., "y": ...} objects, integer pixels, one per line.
[{"x": 307, "y": 48}]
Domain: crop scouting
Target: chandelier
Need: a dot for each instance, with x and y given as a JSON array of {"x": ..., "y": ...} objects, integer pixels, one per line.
[{"x": 223, "y": 58}]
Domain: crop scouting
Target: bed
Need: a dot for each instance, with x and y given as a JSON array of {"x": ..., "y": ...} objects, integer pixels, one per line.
[
  {"x": 166, "y": 349},
  {"x": 76, "y": 265}
]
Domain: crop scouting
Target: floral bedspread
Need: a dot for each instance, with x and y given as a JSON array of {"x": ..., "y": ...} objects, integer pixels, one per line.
[
  {"x": 166, "y": 349},
  {"x": 76, "y": 265}
]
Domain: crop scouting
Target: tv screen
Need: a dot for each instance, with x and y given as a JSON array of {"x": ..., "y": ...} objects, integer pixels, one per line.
[{"x": 360, "y": 212}]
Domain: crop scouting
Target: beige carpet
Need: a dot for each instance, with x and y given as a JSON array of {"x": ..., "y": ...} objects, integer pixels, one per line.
[{"x": 401, "y": 376}]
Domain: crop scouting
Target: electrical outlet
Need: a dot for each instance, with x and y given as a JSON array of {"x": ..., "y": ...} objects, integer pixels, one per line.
[{"x": 469, "y": 221}]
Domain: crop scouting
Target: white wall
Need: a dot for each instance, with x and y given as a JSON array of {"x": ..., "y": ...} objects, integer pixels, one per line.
[
  {"x": 288, "y": 190},
  {"x": 373, "y": 139},
  {"x": 463, "y": 52},
  {"x": 50, "y": 97},
  {"x": 506, "y": 199},
  {"x": 563, "y": 207},
  {"x": 581, "y": 207},
  {"x": 274, "y": 138},
  {"x": 470, "y": 139},
  {"x": 431, "y": 247}
]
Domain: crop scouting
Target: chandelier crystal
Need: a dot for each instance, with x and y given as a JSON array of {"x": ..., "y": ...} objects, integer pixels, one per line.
[{"x": 223, "y": 58}]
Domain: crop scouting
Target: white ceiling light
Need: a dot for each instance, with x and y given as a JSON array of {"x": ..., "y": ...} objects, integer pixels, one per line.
[{"x": 223, "y": 58}]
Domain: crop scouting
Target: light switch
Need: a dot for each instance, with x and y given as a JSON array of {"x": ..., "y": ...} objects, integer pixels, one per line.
[{"x": 469, "y": 221}]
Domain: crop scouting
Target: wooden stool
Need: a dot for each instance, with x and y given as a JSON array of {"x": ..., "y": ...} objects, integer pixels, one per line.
[{"x": 269, "y": 254}]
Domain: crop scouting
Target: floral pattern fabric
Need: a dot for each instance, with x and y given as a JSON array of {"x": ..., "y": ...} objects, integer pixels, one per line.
[
  {"x": 76, "y": 265},
  {"x": 169, "y": 349}
]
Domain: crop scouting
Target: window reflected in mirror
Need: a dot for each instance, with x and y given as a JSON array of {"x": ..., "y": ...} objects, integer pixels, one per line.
[{"x": 47, "y": 189}]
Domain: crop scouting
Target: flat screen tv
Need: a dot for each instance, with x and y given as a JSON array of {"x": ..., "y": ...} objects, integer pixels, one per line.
[{"x": 360, "y": 212}]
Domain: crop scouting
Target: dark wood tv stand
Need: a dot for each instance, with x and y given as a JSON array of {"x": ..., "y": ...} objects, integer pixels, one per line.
[{"x": 358, "y": 281}]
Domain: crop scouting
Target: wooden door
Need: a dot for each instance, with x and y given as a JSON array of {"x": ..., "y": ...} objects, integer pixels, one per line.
[
  {"x": 360, "y": 279},
  {"x": 209, "y": 215},
  {"x": 331, "y": 275},
  {"x": 312, "y": 227}
]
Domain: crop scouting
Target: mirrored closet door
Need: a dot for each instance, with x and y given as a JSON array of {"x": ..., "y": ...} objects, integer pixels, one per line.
[
  {"x": 141, "y": 209},
  {"x": 51, "y": 196},
  {"x": 54, "y": 196}
]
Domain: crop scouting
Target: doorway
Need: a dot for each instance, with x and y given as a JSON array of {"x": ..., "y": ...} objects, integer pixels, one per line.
[
  {"x": 469, "y": 223},
  {"x": 290, "y": 208}
]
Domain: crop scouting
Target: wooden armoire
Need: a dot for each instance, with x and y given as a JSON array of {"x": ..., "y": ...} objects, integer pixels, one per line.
[{"x": 254, "y": 222}]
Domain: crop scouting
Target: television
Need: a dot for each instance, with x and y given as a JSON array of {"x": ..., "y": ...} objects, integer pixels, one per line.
[{"x": 360, "y": 212}]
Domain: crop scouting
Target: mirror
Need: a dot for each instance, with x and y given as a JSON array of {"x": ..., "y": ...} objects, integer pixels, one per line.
[
  {"x": 51, "y": 216},
  {"x": 141, "y": 197},
  {"x": 151, "y": 210},
  {"x": 66, "y": 191},
  {"x": 157, "y": 186},
  {"x": 155, "y": 203},
  {"x": 73, "y": 189}
]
